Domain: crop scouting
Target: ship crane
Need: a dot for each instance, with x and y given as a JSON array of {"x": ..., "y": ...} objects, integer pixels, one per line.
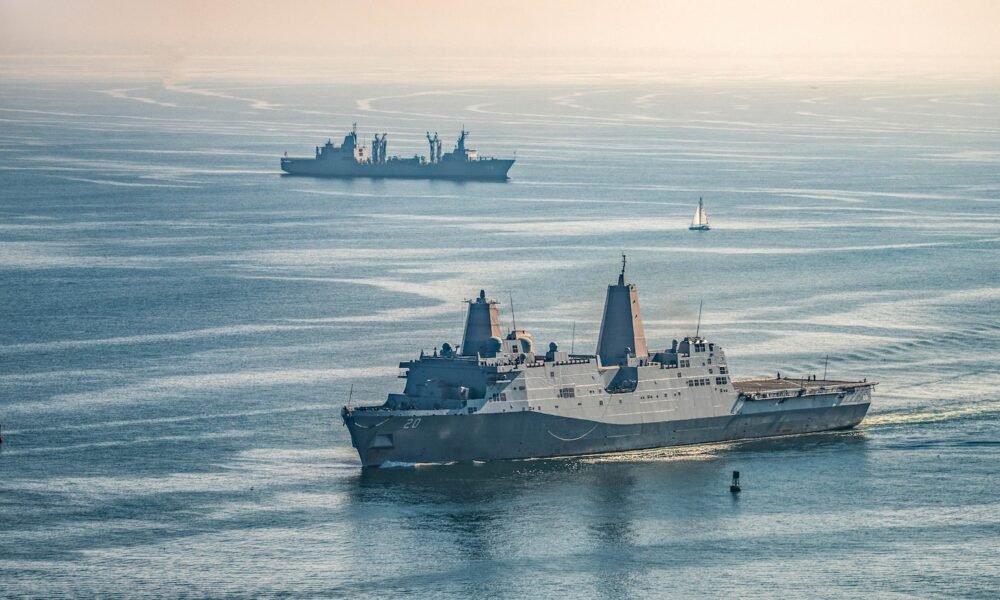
[
  {"x": 435, "y": 145},
  {"x": 378, "y": 149}
]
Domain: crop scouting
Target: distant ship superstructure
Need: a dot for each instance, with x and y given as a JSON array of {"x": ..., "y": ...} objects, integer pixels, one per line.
[
  {"x": 497, "y": 397},
  {"x": 350, "y": 159}
]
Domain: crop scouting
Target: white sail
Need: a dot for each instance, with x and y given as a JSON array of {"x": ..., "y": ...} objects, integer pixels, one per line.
[{"x": 700, "y": 220}]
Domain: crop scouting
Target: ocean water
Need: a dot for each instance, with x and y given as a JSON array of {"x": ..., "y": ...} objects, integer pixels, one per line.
[{"x": 181, "y": 325}]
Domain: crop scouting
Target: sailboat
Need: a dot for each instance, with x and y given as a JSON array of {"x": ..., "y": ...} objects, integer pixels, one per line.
[{"x": 700, "y": 220}]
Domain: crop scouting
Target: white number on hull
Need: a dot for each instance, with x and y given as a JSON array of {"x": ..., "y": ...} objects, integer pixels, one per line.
[{"x": 412, "y": 423}]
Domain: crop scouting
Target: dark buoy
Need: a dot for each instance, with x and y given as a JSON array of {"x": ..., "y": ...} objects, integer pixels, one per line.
[{"x": 735, "y": 486}]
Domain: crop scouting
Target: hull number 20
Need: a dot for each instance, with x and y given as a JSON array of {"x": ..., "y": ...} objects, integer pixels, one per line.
[{"x": 412, "y": 423}]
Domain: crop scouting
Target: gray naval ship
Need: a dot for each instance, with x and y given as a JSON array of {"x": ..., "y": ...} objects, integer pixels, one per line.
[
  {"x": 352, "y": 159},
  {"x": 496, "y": 397}
]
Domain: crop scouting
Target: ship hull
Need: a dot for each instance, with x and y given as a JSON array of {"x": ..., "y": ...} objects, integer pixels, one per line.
[
  {"x": 489, "y": 170},
  {"x": 382, "y": 439}
]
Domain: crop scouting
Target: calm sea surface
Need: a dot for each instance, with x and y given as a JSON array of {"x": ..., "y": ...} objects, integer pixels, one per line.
[{"x": 181, "y": 325}]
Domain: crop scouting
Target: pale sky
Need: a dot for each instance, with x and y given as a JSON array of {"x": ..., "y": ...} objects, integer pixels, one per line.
[{"x": 907, "y": 32}]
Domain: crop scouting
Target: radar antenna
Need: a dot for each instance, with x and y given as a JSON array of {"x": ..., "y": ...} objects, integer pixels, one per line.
[
  {"x": 513, "y": 317},
  {"x": 698, "y": 329}
]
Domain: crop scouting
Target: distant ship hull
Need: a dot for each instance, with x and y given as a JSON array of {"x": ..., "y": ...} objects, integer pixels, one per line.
[
  {"x": 485, "y": 169},
  {"x": 382, "y": 437}
]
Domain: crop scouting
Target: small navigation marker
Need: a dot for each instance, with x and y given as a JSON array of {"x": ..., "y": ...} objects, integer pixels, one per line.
[{"x": 735, "y": 486}]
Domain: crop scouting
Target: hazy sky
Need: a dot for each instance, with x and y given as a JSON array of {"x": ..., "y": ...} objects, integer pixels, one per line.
[{"x": 915, "y": 32}]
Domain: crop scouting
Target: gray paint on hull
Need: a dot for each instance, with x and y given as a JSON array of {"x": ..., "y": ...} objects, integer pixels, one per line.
[
  {"x": 488, "y": 169},
  {"x": 463, "y": 438}
]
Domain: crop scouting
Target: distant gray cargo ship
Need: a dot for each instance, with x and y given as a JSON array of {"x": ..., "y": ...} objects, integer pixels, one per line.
[
  {"x": 496, "y": 398},
  {"x": 352, "y": 160}
]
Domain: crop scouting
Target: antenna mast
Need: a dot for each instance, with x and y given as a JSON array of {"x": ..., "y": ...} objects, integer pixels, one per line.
[
  {"x": 572, "y": 343},
  {"x": 825, "y": 364},
  {"x": 698, "y": 329},
  {"x": 513, "y": 317}
]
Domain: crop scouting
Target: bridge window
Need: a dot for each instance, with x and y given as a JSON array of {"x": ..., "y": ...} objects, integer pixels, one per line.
[{"x": 567, "y": 392}]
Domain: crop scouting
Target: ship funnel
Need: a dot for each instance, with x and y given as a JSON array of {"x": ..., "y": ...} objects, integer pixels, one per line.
[
  {"x": 622, "y": 333},
  {"x": 481, "y": 324}
]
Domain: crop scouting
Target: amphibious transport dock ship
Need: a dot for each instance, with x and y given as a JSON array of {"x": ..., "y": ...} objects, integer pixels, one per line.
[
  {"x": 497, "y": 397},
  {"x": 352, "y": 159}
]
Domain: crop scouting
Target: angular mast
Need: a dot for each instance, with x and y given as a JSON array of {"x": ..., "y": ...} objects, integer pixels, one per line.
[
  {"x": 622, "y": 332},
  {"x": 481, "y": 323}
]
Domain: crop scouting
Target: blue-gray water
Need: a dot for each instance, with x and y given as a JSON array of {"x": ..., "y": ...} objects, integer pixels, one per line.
[{"x": 181, "y": 325}]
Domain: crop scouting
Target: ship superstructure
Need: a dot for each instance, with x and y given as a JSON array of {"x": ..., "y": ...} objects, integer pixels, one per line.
[
  {"x": 353, "y": 159},
  {"x": 499, "y": 397}
]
